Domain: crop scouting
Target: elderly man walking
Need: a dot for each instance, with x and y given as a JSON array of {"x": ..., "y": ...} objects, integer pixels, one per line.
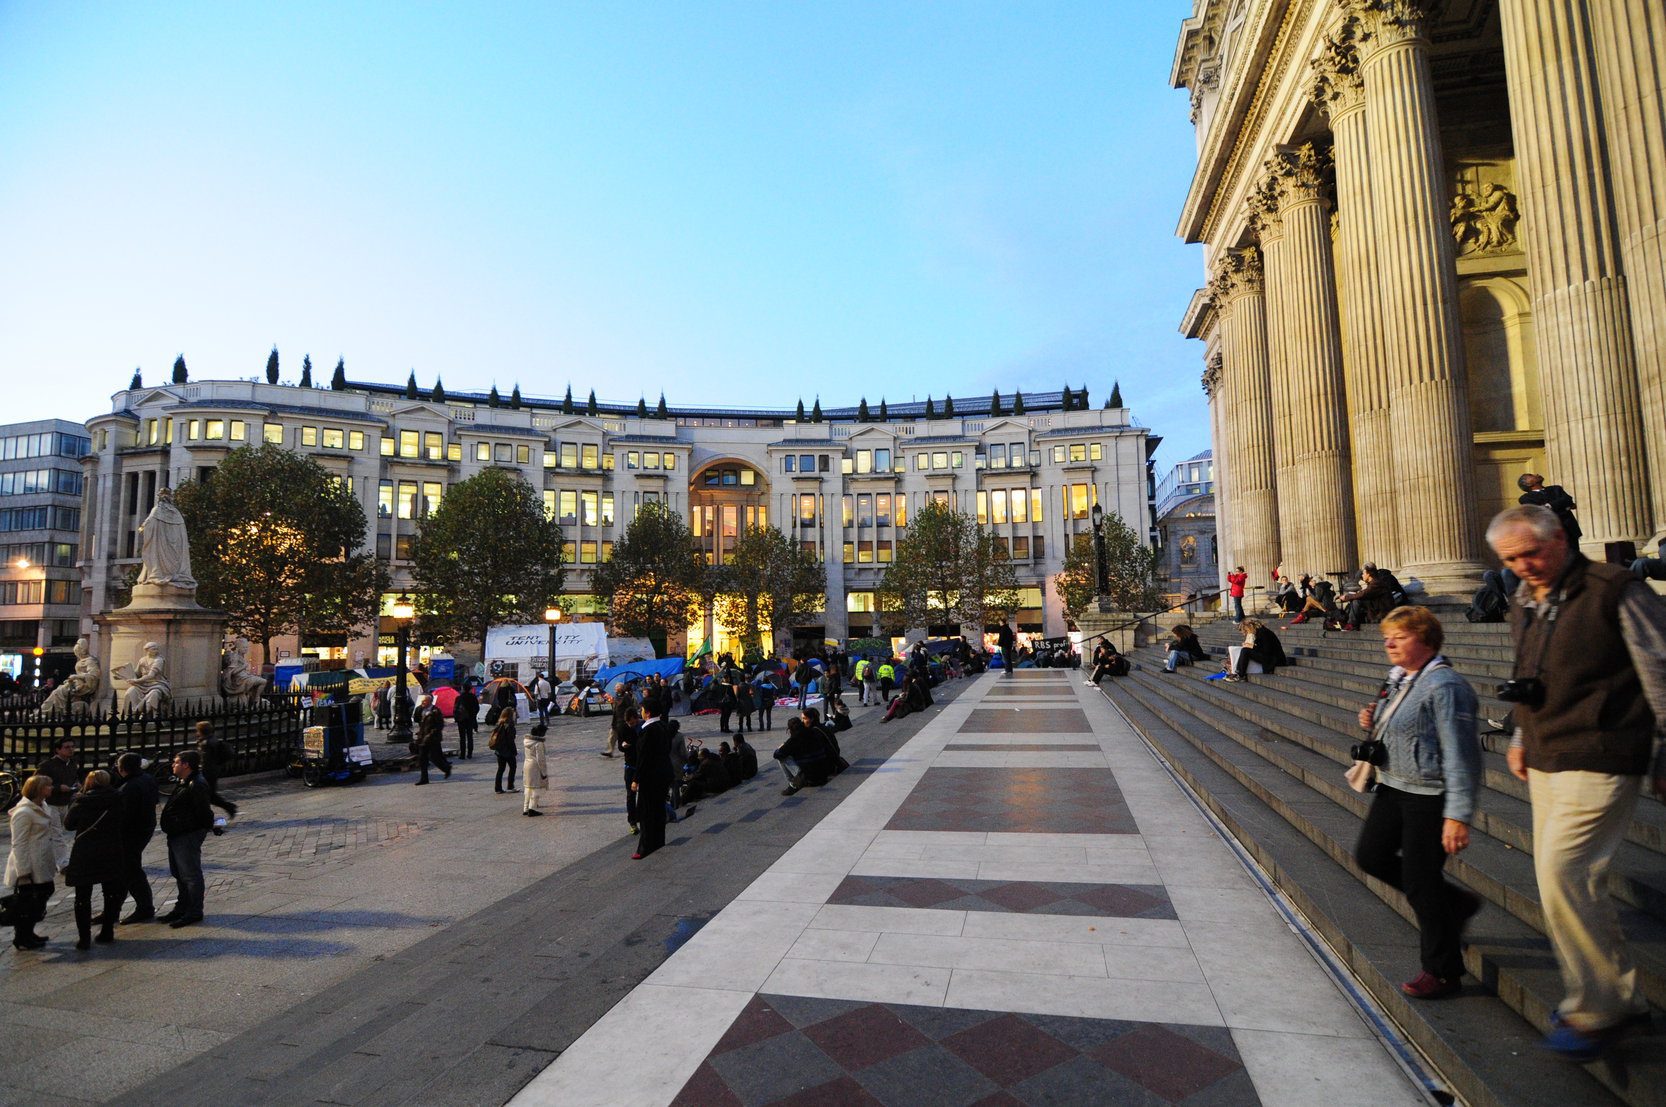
[{"x": 1589, "y": 688}]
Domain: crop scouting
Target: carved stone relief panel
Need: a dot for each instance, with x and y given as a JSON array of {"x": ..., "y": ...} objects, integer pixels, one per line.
[{"x": 1485, "y": 212}]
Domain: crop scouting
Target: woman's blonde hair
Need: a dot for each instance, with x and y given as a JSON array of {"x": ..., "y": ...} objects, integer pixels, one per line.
[
  {"x": 1419, "y": 621},
  {"x": 36, "y": 787},
  {"x": 98, "y": 778},
  {"x": 1250, "y": 626}
]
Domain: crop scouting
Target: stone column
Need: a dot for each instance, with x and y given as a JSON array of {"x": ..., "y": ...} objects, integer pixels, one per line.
[
  {"x": 1316, "y": 525},
  {"x": 1340, "y": 93},
  {"x": 1434, "y": 467},
  {"x": 1630, "y": 40},
  {"x": 1219, "y": 427},
  {"x": 1587, "y": 368},
  {"x": 1254, "y": 527}
]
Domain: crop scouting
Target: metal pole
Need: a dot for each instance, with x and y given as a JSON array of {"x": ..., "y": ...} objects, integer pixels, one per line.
[
  {"x": 401, "y": 696},
  {"x": 1102, "y": 582}
]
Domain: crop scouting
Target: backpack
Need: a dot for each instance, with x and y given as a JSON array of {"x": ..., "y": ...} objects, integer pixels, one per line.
[{"x": 1489, "y": 606}]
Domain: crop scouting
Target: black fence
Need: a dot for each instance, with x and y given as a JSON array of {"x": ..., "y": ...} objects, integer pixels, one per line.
[{"x": 261, "y": 737}]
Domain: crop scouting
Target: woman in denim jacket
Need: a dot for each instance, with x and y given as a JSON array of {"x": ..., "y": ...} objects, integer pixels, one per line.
[{"x": 1425, "y": 801}]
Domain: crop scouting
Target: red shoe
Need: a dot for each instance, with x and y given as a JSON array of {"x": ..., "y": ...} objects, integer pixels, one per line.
[
  {"x": 1350, "y": 626},
  {"x": 1428, "y": 986},
  {"x": 1302, "y": 618},
  {"x": 636, "y": 857}
]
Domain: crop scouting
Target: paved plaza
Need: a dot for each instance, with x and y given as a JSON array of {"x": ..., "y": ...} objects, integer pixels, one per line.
[{"x": 1007, "y": 900}]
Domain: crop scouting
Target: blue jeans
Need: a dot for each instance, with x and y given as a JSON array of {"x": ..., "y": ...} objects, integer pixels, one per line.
[
  {"x": 185, "y": 863},
  {"x": 1238, "y": 608}
]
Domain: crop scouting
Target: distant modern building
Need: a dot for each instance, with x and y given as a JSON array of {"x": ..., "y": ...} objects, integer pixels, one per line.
[
  {"x": 40, "y": 543},
  {"x": 1188, "y": 558},
  {"x": 842, "y": 485}
]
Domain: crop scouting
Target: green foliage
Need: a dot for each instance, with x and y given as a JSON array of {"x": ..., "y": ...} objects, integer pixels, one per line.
[
  {"x": 862, "y": 411},
  {"x": 642, "y": 407},
  {"x": 306, "y": 371},
  {"x": 815, "y": 412},
  {"x": 1069, "y": 398},
  {"x": 1116, "y": 395},
  {"x": 770, "y": 580},
  {"x": 567, "y": 404},
  {"x": 1018, "y": 403},
  {"x": 411, "y": 392},
  {"x": 931, "y": 409},
  {"x": 493, "y": 399},
  {"x": 515, "y": 397},
  {"x": 487, "y": 555},
  {"x": 662, "y": 412},
  {"x": 272, "y": 366},
  {"x": 948, "y": 407},
  {"x": 656, "y": 577},
  {"x": 180, "y": 375},
  {"x": 275, "y": 542},
  {"x": 947, "y": 570},
  {"x": 995, "y": 402},
  {"x": 338, "y": 379},
  {"x": 438, "y": 395},
  {"x": 883, "y": 413},
  {"x": 137, "y": 382},
  {"x": 800, "y": 415},
  {"x": 590, "y": 407},
  {"x": 1130, "y": 569}
]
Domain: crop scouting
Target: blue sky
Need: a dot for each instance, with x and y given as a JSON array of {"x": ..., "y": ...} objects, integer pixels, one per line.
[{"x": 728, "y": 202}]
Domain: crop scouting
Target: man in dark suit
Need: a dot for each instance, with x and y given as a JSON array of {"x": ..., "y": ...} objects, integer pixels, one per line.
[
  {"x": 652, "y": 748},
  {"x": 138, "y": 823},
  {"x": 1534, "y": 490}
]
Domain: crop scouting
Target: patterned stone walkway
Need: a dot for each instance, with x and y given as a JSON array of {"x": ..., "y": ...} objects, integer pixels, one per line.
[{"x": 1020, "y": 907}]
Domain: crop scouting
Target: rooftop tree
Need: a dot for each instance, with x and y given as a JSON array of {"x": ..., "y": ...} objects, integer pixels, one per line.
[
  {"x": 306, "y": 371},
  {"x": 272, "y": 366},
  {"x": 180, "y": 375}
]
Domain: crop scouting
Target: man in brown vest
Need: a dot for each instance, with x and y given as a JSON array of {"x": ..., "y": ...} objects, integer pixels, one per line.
[{"x": 1589, "y": 688}]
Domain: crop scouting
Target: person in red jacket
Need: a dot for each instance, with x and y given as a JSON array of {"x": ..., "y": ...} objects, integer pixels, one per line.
[{"x": 1235, "y": 582}]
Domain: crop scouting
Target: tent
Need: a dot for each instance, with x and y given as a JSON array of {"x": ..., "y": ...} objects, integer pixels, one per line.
[{"x": 666, "y": 667}]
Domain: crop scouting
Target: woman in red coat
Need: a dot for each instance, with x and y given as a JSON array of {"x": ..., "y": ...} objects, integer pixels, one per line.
[{"x": 1235, "y": 582}]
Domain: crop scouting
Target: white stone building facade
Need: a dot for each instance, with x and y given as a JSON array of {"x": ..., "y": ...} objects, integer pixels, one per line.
[{"x": 844, "y": 488}]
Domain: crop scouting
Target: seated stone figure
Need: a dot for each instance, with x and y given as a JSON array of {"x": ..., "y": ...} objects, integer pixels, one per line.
[
  {"x": 79, "y": 691},
  {"x": 147, "y": 682},
  {"x": 238, "y": 679}
]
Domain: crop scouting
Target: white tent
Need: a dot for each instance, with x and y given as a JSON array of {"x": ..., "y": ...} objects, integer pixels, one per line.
[{"x": 528, "y": 646}]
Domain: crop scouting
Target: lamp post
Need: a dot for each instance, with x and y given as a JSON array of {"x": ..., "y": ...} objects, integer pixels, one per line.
[
  {"x": 1101, "y": 574},
  {"x": 404, "y": 611},
  {"x": 552, "y": 616}
]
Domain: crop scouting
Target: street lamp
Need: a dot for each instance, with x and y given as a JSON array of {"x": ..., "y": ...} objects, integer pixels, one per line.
[
  {"x": 552, "y": 616},
  {"x": 1101, "y": 575},
  {"x": 404, "y": 611}
]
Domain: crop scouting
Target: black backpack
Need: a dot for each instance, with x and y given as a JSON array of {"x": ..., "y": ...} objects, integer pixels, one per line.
[{"x": 1489, "y": 606}]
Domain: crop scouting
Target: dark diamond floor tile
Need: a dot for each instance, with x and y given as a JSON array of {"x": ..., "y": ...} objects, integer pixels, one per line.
[
  {"x": 864, "y": 1037},
  {"x": 775, "y": 1068},
  {"x": 706, "y": 1089},
  {"x": 1082, "y": 1082},
  {"x": 756, "y": 1022},
  {"x": 1067, "y": 801},
  {"x": 1172, "y": 1065},
  {"x": 1008, "y": 1049},
  {"x": 931, "y": 1075},
  {"x": 843, "y": 1092}
]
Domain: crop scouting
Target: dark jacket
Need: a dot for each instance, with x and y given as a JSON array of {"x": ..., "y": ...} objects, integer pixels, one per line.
[
  {"x": 808, "y": 749},
  {"x": 1594, "y": 717},
  {"x": 1268, "y": 650},
  {"x": 748, "y": 762},
  {"x": 138, "y": 809},
  {"x": 187, "y": 809},
  {"x": 1190, "y": 647},
  {"x": 711, "y": 777},
  {"x": 1555, "y": 497},
  {"x": 465, "y": 709},
  {"x": 96, "y": 856},
  {"x": 652, "y": 744},
  {"x": 431, "y": 729}
]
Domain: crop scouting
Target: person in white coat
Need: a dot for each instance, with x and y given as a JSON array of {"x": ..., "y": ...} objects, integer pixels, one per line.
[
  {"x": 31, "y": 866},
  {"x": 534, "y": 770}
]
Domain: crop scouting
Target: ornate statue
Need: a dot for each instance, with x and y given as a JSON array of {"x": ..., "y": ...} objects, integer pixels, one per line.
[
  {"x": 165, "y": 550},
  {"x": 238, "y": 680},
  {"x": 1484, "y": 218},
  {"x": 79, "y": 691},
  {"x": 147, "y": 682}
]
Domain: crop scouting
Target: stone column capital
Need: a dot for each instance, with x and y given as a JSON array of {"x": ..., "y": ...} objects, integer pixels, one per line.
[
  {"x": 1337, "y": 86},
  {"x": 1375, "y": 25},
  {"x": 1238, "y": 273},
  {"x": 1212, "y": 374},
  {"x": 1262, "y": 208},
  {"x": 1303, "y": 174}
]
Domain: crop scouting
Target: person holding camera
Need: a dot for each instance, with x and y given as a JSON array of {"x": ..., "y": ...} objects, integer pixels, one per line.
[
  {"x": 1589, "y": 689},
  {"x": 1428, "y": 760}
]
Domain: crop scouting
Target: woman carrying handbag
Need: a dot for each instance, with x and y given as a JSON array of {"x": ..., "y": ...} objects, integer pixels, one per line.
[{"x": 30, "y": 866}]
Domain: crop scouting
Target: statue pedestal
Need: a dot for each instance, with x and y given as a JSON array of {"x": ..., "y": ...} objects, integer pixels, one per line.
[
  {"x": 188, "y": 636},
  {"x": 1142, "y": 632}
]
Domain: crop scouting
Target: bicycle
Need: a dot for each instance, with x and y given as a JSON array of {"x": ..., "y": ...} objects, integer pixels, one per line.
[{"x": 11, "y": 789}]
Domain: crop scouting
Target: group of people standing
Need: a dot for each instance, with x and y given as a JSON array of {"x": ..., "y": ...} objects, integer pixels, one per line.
[{"x": 93, "y": 829}]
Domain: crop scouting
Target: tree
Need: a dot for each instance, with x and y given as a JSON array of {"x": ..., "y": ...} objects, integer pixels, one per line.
[
  {"x": 931, "y": 409},
  {"x": 180, "y": 375},
  {"x": 1069, "y": 398},
  {"x": 567, "y": 404},
  {"x": 662, "y": 412},
  {"x": 947, "y": 570},
  {"x": 272, "y": 366},
  {"x": 338, "y": 379},
  {"x": 137, "y": 382},
  {"x": 276, "y": 542},
  {"x": 800, "y": 415},
  {"x": 411, "y": 392},
  {"x": 1130, "y": 569},
  {"x": 815, "y": 412},
  {"x": 948, "y": 407},
  {"x": 438, "y": 395},
  {"x": 862, "y": 411},
  {"x": 590, "y": 404},
  {"x": 642, "y": 407},
  {"x": 1116, "y": 395},
  {"x": 493, "y": 399},
  {"x": 1018, "y": 403},
  {"x": 655, "y": 578},
  {"x": 306, "y": 371},
  {"x": 883, "y": 413},
  {"x": 769, "y": 580},
  {"x": 487, "y": 555},
  {"x": 995, "y": 402},
  {"x": 515, "y": 396}
]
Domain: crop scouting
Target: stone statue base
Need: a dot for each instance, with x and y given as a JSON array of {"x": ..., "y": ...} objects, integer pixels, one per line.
[
  {"x": 189, "y": 636},
  {"x": 1090, "y": 623}
]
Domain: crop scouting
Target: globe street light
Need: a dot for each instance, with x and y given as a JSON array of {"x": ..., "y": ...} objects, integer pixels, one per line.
[
  {"x": 1101, "y": 575},
  {"x": 552, "y": 616},
  {"x": 404, "y": 611}
]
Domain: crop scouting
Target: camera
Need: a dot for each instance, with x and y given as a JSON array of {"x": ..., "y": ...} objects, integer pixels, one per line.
[
  {"x": 1527, "y": 691},
  {"x": 1371, "y": 751}
]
